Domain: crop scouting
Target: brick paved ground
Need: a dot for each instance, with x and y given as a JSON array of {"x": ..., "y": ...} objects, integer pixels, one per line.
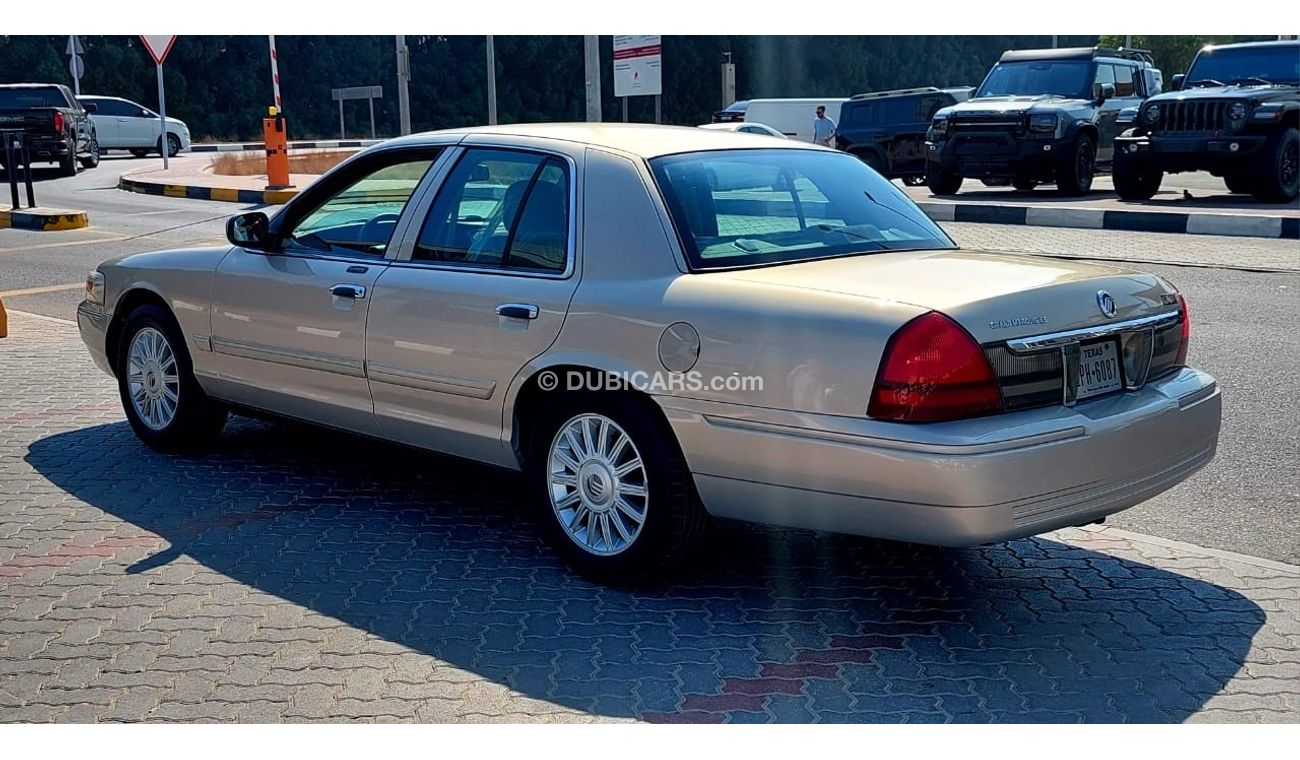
[{"x": 294, "y": 575}]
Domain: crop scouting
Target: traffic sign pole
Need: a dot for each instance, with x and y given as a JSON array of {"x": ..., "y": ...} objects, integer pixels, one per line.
[
  {"x": 162, "y": 118},
  {"x": 159, "y": 45}
]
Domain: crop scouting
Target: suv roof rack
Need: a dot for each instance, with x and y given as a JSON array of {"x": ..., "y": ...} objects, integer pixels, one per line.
[
  {"x": 1081, "y": 53},
  {"x": 894, "y": 93}
]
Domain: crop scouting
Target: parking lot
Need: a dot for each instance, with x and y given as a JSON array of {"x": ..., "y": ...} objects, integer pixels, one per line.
[{"x": 296, "y": 575}]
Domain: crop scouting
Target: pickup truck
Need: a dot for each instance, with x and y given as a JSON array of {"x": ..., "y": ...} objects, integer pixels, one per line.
[{"x": 57, "y": 127}]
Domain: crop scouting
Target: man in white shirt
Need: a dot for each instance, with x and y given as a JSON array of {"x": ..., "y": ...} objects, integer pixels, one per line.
[{"x": 823, "y": 128}]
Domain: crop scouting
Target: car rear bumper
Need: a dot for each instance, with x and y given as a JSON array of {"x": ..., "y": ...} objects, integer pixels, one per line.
[
  {"x": 956, "y": 483},
  {"x": 1220, "y": 155}
]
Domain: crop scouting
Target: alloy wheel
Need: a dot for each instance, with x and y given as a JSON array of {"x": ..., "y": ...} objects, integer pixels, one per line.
[
  {"x": 598, "y": 486},
  {"x": 153, "y": 379}
]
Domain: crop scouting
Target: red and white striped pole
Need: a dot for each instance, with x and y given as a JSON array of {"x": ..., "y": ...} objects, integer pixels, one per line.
[{"x": 275, "y": 74}]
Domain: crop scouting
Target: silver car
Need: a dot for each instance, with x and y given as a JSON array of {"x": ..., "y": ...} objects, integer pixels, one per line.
[{"x": 658, "y": 325}]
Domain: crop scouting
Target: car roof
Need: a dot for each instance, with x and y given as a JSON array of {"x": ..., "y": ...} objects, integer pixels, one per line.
[
  {"x": 1255, "y": 44},
  {"x": 644, "y": 140}
]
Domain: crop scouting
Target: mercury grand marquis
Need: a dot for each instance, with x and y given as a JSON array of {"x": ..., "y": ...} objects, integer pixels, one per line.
[{"x": 474, "y": 291}]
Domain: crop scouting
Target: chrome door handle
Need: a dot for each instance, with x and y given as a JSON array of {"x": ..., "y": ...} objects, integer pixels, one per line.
[
  {"x": 518, "y": 310},
  {"x": 348, "y": 290}
]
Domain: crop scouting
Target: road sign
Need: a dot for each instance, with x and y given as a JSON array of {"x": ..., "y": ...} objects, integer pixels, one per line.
[
  {"x": 158, "y": 45},
  {"x": 637, "y": 65},
  {"x": 74, "y": 46},
  {"x": 77, "y": 66},
  {"x": 357, "y": 93}
]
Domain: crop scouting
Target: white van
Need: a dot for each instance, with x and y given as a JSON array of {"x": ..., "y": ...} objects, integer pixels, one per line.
[{"x": 792, "y": 117}]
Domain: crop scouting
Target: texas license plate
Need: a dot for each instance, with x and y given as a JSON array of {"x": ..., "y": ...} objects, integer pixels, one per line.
[{"x": 1098, "y": 369}]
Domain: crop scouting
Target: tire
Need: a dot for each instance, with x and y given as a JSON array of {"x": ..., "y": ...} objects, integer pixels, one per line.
[
  {"x": 941, "y": 182},
  {"x": 140, "y": 152},
  {"x": 1075, "y": 171},
  {"x": 1237, "y": 183},
  {"x": 153, "y": 344},
  {"x": 672, "y": 518},
  {"x": 1134, "y": 179},
  {"x": 173, "y": 145},
  {"x": 1280, "y": 179},
  {"x": 92, "y": 159},
  {"x": 68, "y": 166}
]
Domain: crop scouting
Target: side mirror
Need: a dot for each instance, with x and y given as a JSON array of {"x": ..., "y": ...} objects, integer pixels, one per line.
[
  {"x": 1177, "y": 82},
  {"x": 90, "y": 107},
  {"x": 250, "y": 230},
  {"x": 1103, "y": 91}
]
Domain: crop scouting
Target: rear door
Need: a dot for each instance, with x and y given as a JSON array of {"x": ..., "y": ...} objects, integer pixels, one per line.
[
  {"x": 481, "y": 287},
  {"x": 107, "y": 119}
]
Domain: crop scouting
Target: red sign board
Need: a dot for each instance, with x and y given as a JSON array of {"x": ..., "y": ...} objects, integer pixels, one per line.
[{"x": 158, "y": 45}]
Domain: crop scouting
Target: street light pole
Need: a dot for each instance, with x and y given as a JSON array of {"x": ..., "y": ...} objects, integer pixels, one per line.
[
  {"x": 491, "y": 81},
  {"x": 591, "y": 61},
  {"x": 403, "y": 82}
]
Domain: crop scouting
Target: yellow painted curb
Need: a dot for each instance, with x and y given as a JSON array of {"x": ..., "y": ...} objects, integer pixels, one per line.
[{"x": 44, "y": 219}]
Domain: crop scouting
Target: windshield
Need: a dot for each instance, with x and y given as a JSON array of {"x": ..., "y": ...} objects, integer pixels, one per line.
[
  {"x": 32, "y": 97},
  {"x": 742, "y": 208},
  {"x": 1070, "y": 79},
  {"x": 1275, "y": 64}
]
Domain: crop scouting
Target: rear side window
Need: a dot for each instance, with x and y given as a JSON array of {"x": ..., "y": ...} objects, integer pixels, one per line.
[
  {"x": 744, "y": 208},
  {"x": 858, "y": 115},
  {"x": 1125, "y": 87},
  {"x": 500, "y": 208},
  {"x": 32, "y": 97},
  {"x": 928, "y": 105},
  {"x": 898, "y": 110}
]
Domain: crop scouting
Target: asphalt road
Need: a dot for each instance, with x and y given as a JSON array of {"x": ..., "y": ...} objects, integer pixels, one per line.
[{"x": 1246, "y": 331}]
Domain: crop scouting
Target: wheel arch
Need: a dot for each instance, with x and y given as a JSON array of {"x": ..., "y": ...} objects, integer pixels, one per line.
[
  {"x": 130, "y": 300},
  {"x": 526, "y": 398}
]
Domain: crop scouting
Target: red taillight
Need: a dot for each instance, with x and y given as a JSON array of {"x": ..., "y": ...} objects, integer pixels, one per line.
[
  {"x": 933, "y": 370},
  {"x": 58, "y": 123},
  {"x": 1181, "y": 359}
]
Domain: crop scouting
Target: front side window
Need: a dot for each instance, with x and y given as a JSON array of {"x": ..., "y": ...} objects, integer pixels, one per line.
[
  {"x": 359, "y": 218},
  {"x": 743, "y": 208},
  {"x": 500, "y": 208},
  {"x": 1068, "y": 79}
]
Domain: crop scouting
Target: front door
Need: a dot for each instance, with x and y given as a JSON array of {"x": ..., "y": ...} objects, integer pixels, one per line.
[
  {"x": 139, "y": 127},
  {"x": 482, "y": 290},
  {"x": 288, "y": 326}
]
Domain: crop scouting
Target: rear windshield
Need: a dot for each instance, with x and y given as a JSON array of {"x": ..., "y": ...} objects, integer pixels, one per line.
[
  {"x": 1273, "y": 64},
  {"x": 32, "y": 97},
  {"x": 743, "y": 208}
]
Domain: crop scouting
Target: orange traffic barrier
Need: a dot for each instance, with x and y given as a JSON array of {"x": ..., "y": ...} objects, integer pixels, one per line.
[
  {"x": 276, "y": 138},
  {"x": 4, "y": 320}
]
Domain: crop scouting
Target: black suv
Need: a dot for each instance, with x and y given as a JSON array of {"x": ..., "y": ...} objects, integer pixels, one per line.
[
  {"x": 1234, "y": 114},
  {"x": 887, "y": 129},
  {"x": 1039, "y": 116}
]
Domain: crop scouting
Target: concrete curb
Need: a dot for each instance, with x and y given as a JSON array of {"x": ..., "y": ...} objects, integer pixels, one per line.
[
  {"x": 1194, "y": 223},
  {"x": 197, "y": 192},
  {"x": 301, "y": 145},
  {"x": 1193, "y": 549},
  {"x": 44, "y": 219}
]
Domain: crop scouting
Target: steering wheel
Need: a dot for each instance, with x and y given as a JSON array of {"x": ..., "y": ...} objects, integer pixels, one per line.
[{"x": 371, "y": 228}]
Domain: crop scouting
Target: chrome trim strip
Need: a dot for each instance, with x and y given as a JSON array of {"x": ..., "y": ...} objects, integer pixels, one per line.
[
  {"x": 202, "y": 342},
  {"x": 338, "y": 364},
  {"x": 828, "y": 436},
  {"x": 458, "y": 386},
  {"x": 95, "y": 314},
  {"x": 1052, "y": 340}
]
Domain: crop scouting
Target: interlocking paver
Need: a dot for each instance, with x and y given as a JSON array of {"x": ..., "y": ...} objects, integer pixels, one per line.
[{"x": 296, "y": 575}]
